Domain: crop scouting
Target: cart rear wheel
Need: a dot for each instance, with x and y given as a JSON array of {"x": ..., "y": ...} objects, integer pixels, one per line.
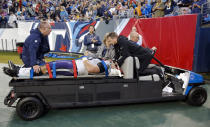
[
  {"x": 29, "y": 108},
  {"x": 197, "y": 96}
]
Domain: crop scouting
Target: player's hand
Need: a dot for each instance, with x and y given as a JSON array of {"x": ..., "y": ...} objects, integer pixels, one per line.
[
  {"x": 36, "y": 68},
  {"x": 117, "y": 66},
  {"x": 154, "y": 48},
  {"x": 113, "y": 65},
  {"x": 86, "y": 53},
  {"x": 93, "y": 40}
]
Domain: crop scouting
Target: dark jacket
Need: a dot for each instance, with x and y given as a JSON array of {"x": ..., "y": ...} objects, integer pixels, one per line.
[
  {"x": 100, "y": 11},
  {"x": 3, "y": 22},
  {"x": 125, "y": 48},
  {"x": 88, "y": 42},
  {"x": 34, "y": 48}
]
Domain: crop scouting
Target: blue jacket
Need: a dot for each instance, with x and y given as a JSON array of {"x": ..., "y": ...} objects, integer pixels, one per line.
[
  {"x": 196, "y": 9},
  {"x": 88, "y": 42},
  {"x": 34, "y": 48},
  {"x": 63, "y": 15}
]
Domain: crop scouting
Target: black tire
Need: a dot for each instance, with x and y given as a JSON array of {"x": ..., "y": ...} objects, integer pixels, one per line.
[
  {"x": 29, "y": 108},
  {"x": 197, "y": 96}
]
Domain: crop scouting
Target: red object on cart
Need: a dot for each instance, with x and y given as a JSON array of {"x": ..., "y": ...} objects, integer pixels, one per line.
[
  {"x": 19, "y": 47},
  {"x": 19, "y": 50}
]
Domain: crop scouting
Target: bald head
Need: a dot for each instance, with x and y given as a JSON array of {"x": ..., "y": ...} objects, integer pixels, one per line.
[
  {"x": 45, "y": 28},
  {"x": 44, "y": 24},
  {"x": 134, "y": 29},
  {"x": 134, "y": 36}
]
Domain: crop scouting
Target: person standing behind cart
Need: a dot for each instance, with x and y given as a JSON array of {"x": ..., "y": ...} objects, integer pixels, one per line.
[
  {"x": 134, "y": 36},
  {"x": 92, "y": 41},
  {"x": 131, "y": 37},
  {"x": 35, "y": 46}
]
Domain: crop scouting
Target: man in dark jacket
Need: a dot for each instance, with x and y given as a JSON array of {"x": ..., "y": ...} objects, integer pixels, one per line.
[
  {"x": 3, "y": 21},
  {"x": 92, "y": 41},
  {"x": 125, "y": 48},
  {"x": 35, "y": 46}
]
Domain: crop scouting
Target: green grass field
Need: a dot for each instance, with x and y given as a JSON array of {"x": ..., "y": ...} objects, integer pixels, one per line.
[{"x": 13, "y": 56}]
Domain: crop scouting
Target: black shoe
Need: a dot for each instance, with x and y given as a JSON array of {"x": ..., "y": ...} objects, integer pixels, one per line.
[
  {"x": 12, "y": 66},
  {"x": 10, "y": 72}
]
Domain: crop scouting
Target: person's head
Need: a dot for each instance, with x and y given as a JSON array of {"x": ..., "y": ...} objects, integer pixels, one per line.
[
  {"x": 94, "y": 7},
  {"x": 2, "y": 15},
  {"x": 102, "y": 2},
  {"x": 105, "y": 39},
  {"x": 139, "y": 4},
  {"x": 134, "y": 36},
  {"x": 158, "y": 1},
  {"x": 45, "y": 28},
  {"x": 11, "y": 13},
  {"x": 57, "y": 8},
  {"x": 111, "y": 38},
  {"x": 133, "y": 29},
  {"x": 91, "y": 29},
  {"x": 62, "y": 8}
]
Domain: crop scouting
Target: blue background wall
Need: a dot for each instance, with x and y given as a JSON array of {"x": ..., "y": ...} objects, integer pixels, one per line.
[{"x": 202, "y": 51}]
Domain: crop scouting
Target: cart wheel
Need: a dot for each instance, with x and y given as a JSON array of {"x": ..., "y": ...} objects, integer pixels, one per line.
[
  {"x": 197, "y": 96},
  {"x": 29, "y": 108}
]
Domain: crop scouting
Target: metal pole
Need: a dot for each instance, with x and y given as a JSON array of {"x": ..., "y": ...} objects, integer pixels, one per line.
[
  {"x": 202, "y": 15},
  {"x": 12, "y": 46},
  {"x": 2, "y": 44},
  {"x": 16, "y": 45},
  {"x": 6, "y": 44}
]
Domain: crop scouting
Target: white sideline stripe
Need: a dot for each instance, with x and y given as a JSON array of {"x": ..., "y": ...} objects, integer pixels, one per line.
[{"x": 121, "y": 26}]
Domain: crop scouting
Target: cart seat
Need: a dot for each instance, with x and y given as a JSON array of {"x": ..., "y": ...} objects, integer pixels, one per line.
[
  {"x": 153, "y": 77},
  {"x": 128, "y": 70}
]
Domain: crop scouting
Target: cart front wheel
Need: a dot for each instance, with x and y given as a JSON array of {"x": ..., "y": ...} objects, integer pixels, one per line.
[
  {"x": 29, "y": 108},
  {"x": 197, "y": 96}
]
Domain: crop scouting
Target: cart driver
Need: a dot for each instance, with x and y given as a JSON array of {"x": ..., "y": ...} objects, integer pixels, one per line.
[{"x": 66, "y": 68}]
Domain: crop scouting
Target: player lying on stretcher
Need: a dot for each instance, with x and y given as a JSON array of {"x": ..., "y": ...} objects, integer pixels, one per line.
[{"x": 67, "y": 68}]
